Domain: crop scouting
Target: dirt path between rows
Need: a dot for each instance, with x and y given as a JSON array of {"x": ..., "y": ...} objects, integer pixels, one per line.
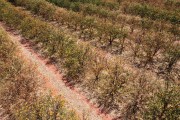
[{"x": 53, "y": 81}]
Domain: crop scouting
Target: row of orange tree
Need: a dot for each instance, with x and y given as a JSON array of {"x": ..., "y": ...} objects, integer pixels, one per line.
[
  {"x": 109, "y": 82},
  {"x": 171, "y": 5},
  {"x": 145, "y": 10},
  {"x": 19, "y": 84},
  {"x": 145, "y": 45},
  {"x": 76, "y": 59},
  {"x": 106, "y": 14}
]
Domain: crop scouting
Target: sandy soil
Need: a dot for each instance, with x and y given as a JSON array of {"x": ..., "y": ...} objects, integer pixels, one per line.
[{"x": 53, "y": 82}]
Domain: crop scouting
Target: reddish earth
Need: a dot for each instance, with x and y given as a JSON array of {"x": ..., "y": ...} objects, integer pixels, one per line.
[{"x": 53, "y": 81}]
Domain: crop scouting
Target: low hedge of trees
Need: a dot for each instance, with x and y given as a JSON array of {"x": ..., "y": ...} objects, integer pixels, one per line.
[
  {"x": 117, "y": 17},
  {"x": 45, "y": 107},
  {"x": 88, "y": 27},
  {"x": 74, "y": 20},
  {"x": 148, "y": 11},
  {"x": 88, "y": 9},
  {"x": 110, "y": 35},
  {"x": 100, "y": 3},
  {"x": 171, "y": 5},
  {"x": 108, "y": 81},
  {"x": 75, "y": 58},
  {"x": 19, "y": 88}
]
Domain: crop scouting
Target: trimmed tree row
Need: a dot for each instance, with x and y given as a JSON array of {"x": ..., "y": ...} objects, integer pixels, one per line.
[{"x": 108, "y": 81}]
